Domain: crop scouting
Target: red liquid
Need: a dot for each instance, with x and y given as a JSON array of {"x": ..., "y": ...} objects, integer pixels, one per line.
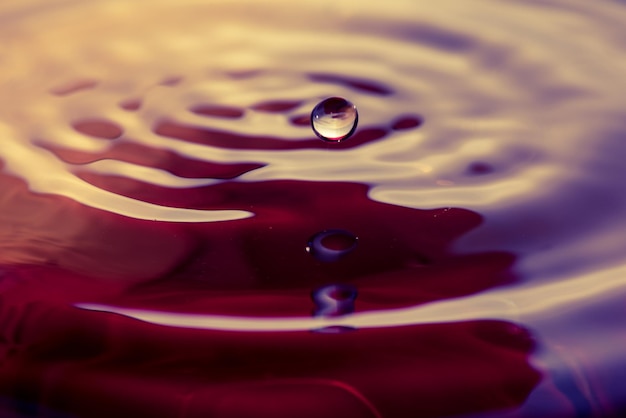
[{"x": 93, "y": 364}]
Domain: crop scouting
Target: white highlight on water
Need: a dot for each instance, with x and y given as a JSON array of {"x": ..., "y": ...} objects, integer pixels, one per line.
[
  {"x": 524, "y": 83},
  {"x": 529, "y": 304}
]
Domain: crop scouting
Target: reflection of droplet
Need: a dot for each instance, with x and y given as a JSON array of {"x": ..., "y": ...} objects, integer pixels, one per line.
[
  {"x": 334, "y": 119},
  {"x": 505, "y": 334},
  {"x": 334, "y": 300},
  {"x": 331, "y": 245}
]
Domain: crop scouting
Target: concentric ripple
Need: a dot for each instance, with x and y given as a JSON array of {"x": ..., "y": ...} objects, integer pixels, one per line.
[
  {"x": 477, "y": 106},
  {"x": 505, "y": 117}
]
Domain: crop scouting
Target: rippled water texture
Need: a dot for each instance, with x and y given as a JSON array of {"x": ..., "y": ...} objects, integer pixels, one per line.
[{"x": 176, "y": 241}]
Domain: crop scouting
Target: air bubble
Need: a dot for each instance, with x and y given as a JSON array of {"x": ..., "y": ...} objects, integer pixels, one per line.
[
  {"x": 331, "y": 245},
  {"x": 334, "y": 119}
]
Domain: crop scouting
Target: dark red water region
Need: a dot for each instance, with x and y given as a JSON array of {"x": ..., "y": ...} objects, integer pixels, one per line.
[
  {"x": 224, "y": 139},
  {"x": 55, "y": 357},
  {"x": 156, "y": 158},
  {"x": 401, "y": 259},
  {"x": 95, "y": 364},
  {"x": 57, "y": 232},
  {"x": 200, "y": 289}
]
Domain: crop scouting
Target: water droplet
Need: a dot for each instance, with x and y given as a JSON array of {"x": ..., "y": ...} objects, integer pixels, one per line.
[
  {"x": 334, "y": 300},
  {"x": 334, "y": 119},
  {"x": 331, "y": 245}
]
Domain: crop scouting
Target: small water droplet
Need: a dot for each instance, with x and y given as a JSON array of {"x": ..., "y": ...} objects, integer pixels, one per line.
[
  {"x": 334, "y": 300},
  {"x": 334, "y": 119},
  {"x": 331, "y": 245}
]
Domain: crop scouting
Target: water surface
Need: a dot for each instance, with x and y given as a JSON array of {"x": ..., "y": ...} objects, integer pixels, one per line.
[{"x": 161, "y": 183}]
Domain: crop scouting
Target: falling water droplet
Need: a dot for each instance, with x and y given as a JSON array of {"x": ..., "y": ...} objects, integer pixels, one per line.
[
  {"x": 334, "y": 119},
  {"x": 334, "y": 300},
  {"x": 331, "y": 245}
]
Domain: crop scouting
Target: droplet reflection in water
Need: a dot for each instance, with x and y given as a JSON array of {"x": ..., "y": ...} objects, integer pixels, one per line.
[
  {"x": 334, "y": 119},
  {"x": 331, "y": 245},
  {"x": 334, "y": 300}
]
